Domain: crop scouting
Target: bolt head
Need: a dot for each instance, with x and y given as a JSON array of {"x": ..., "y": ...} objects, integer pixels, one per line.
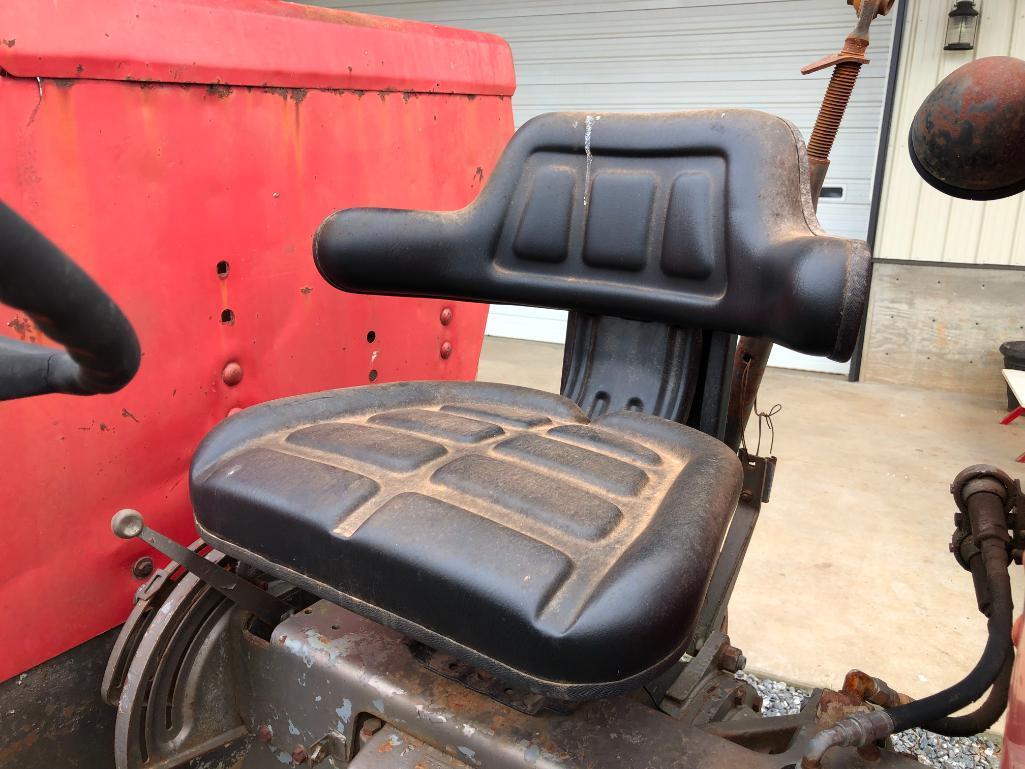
[
  {"x": 232, "y": 373},
  {"x": 142, "y": 568},
  {"x": 265, "y": 733},
  {"x": 446, "y": 350},
  {"x": 299, "y": 754},
  {"x": 732, "y": 660},
  {"x": 446, "y": 315}
]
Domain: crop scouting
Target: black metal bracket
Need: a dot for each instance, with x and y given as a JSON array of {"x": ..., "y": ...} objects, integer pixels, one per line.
[
  {"x": 757, "y": 487},
  {"x": 128, "y": 524}
]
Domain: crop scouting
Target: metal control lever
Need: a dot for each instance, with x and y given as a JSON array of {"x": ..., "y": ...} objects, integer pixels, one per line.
[{"x": 128, "y": 524}]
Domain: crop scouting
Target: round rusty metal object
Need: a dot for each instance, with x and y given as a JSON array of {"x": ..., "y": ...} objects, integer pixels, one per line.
[
  {"x": 885, "y": 6},
  {"x": 232, "y": 373},
  {"x": 446, "y": 315},
  {"x": 968, "y": 137},
  {"x": 142, "y": 568},
  {"x": 265, "y": 733},
  {"x": 446, "y": 350},
  {"x": 299, "y": 754}
]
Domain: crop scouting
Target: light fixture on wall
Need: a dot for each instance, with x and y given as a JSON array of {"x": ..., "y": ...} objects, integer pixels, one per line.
[{"x": 962, "y": 26}]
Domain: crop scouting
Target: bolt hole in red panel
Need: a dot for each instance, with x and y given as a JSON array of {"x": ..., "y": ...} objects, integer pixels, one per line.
[{"x": 161, "y": 141}]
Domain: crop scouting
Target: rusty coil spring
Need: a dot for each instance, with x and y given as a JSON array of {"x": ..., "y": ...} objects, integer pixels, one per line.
[{"x": 841, "y": 85}]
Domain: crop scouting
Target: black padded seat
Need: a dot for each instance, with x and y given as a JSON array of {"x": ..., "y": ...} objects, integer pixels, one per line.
[{"x": 492, "y": 522}]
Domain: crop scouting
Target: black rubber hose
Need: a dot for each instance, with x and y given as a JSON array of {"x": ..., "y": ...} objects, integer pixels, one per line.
[
  {"x": 995, "y": 703},
  {"x": 69, "y": 307},
  {"x": 988, "y": 668},
  {"x": 989, "y": 529},
  {"x": 987, "y": 714}
]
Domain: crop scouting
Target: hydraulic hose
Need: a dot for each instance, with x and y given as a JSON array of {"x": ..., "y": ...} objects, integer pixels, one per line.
[
  {"x": 987, "y": 507},
  {"x": 986, "y": 511},
  {"x": 987, "y": 714}
]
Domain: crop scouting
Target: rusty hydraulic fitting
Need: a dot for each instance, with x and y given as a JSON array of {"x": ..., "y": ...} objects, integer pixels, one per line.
[
  {"x": 977, "y": 523},
  {"x": 872, "y": 689},
  {"x": 856, "y": 731}
]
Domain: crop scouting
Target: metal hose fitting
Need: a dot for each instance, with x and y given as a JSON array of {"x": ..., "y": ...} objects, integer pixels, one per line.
[{"x": 855, "y": 731}]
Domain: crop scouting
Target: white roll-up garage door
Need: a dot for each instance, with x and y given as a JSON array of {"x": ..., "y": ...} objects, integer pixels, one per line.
[{"x": 657, "y": 55}]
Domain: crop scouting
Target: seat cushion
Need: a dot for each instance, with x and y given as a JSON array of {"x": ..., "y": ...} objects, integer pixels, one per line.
[{"x": 495, "y": 523}]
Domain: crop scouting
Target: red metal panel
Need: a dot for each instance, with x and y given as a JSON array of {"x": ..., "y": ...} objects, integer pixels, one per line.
[
  {"x": 247, "y": 42},
  {"x": 149, "y": 187}
]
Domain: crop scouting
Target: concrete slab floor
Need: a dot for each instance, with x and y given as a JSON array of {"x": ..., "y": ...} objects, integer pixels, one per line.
[{"x": 848, "y": 566}]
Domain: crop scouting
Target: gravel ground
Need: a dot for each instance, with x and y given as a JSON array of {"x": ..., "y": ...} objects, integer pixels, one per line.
[{"x": 930, "y": 749}]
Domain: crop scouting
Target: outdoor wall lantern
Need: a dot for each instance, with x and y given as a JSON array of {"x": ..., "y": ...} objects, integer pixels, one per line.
[{"x": 962, "y": 26}]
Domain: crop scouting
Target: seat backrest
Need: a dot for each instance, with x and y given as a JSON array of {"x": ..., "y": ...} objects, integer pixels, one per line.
[{"x": 700, "y": 220}]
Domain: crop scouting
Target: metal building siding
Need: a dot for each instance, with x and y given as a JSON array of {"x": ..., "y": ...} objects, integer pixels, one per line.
[
  {"x": 659, "y": 55},
  {"x": 917, "y": 222}
]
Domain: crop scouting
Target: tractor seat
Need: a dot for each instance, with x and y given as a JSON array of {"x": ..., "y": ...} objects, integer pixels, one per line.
[{"x": 495, "y": 523}]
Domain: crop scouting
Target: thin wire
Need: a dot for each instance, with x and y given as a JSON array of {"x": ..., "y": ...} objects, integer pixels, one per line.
[{"x": 765, "y": 416}]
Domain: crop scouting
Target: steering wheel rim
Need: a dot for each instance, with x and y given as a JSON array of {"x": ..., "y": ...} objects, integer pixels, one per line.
[{"x": 101, "y": 350}]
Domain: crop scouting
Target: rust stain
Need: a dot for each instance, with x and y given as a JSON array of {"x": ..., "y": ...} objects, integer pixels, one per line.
[
  {"x": 219, "y": 90},
  {"x": 20, "y": 747},
  {"x": 306, "y": 290},
  {"x": 294, "y": 94},
  {"x": 834, "y": 706},
  {"x": 129, "y": 415},
  {"x": 23, "y": 327},
  {"x": 8, "y": 43}
]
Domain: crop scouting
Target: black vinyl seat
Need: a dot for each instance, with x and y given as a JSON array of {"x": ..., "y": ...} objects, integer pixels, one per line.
[
  {"x": 493, "y": 522},
  {"x": 565, "y": 552}
]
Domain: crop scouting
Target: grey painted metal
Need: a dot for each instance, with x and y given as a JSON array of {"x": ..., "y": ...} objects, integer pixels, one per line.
[
  {"x": 332, "y": 689},
  {"x": 329, "y": 673}
]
